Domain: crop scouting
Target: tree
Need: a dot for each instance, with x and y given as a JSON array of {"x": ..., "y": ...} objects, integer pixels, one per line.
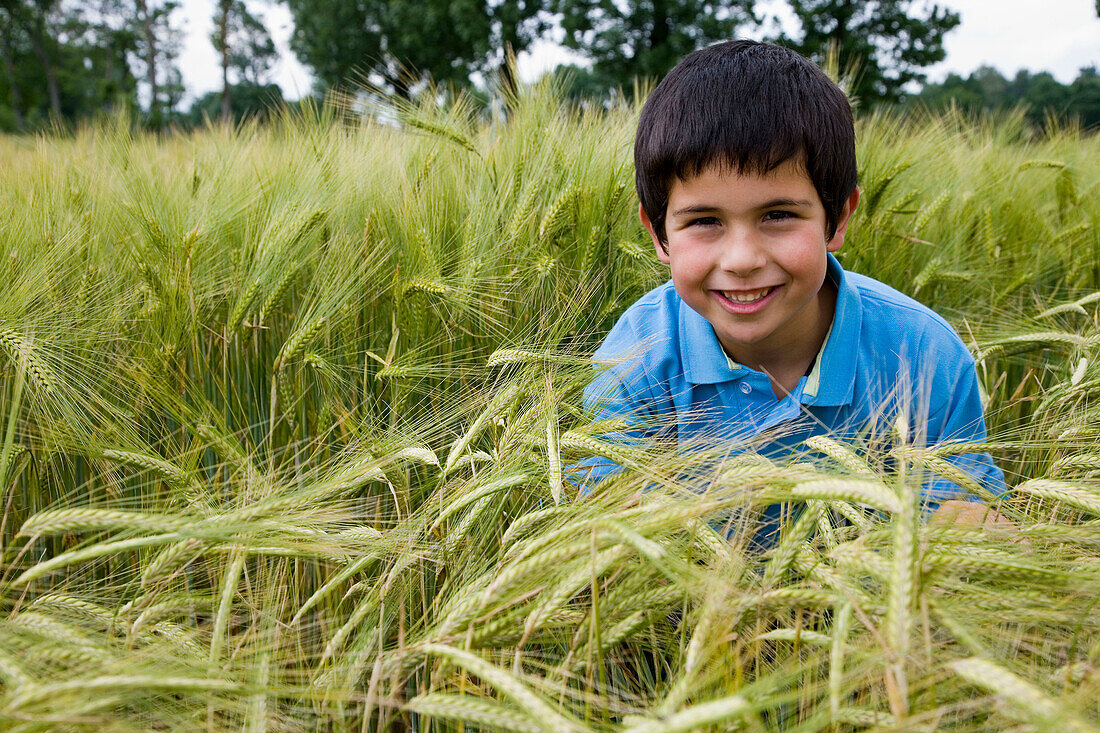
[
  {"x": 887, "y": 42},
  {"x": 247, "y": 101},
  {"x": 158, "y": 46},
  {"x": 627, "y": 39},
  {"x": 579, "y": 85},
  {"x": 245, "y": 47},
  {"x": 8, "y": 55},
  {"x": 1041, "y": 95},
  {"x": 33, "y": 19},
  {"x": 61, "y": 61},
  {"x": 399, "y": 43},
  {"x": 1085, "y": 97}
]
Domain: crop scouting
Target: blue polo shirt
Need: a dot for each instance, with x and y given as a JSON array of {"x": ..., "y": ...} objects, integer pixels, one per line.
[{"x": 662, "y": 369}]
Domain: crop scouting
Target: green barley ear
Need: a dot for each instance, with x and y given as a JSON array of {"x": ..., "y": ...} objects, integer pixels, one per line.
[
  {"x": 441, "y": 131},
  {"x": 842, "y": 620},
  {"x": 875, "y": 188},
  {"x": 1081, "y": 496},
  {"x": 504, "y": 357},
  {"x": 790, "y": 540},
  {"x": 498, "y": 404},
  {"x": 468, "y": 710},
  {"x": 21, "y": 350},
  {"x": 842, "y": 454},
  {"x": 89, "y": 519},
  {"x": 929, "y": 211},
  {"x": 561, "y": 215},
  {"x": 1077, "y": 306},
  {"x": 277, "y": 293},
  {"x": 874, "y": 494},
  {"x": 297, "y": 341},
  {"x": 167, "y": 562},
  {"x": 240, "y": 307},
  {"x": 1024, "y": 699},
  {"x": 522, "y": 215},
  {"x": 1031, "y": 342},
  {"x": 509, "y": 684},
  {"x": 701, "y": 716},
  {"x": 173, "y": 475},
  {"x": 553, "y": 452}
]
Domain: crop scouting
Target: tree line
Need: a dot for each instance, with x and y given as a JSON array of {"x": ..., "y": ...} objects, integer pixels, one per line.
[
  {"x": 67, "y": 60},
  {"x": 1042, "y": 97}
]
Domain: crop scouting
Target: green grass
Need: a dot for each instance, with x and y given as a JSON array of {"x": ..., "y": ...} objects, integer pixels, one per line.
[{"x": 285, "y": 409}]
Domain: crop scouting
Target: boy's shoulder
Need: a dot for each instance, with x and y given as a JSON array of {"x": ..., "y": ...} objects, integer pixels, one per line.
[
  {"x": 888, "y": 313},
  {"x": 650, "y": 320},
  {"x": 871, "y": 317}
]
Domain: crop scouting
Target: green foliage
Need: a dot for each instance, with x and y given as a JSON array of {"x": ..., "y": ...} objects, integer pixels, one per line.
[
  {"x": 246, "y": 101},
  {"x": 644, "y": 40},
  {"x": 60, "y": 65},
  {"x": 401, "y": 45},
  {"x": 881, "y": 44},
  {"x": 244, "y": 42},
  {"x": 287, "y": 413},
  {"x": 1042, "y": 97}
]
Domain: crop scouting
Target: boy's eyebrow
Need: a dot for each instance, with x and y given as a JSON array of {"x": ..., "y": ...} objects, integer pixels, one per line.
[
  {"x": 696, "y": 209},
  {"x": 772, "y": 204},
  {"x": 785, "y": 202}
]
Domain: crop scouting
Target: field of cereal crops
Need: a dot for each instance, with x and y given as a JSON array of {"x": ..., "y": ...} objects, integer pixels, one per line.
[{"x": 284, "y": 414}]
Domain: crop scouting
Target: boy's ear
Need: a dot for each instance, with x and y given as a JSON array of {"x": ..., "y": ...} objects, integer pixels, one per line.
[
  {"x": 842, "y": 222},
  {"x": 662, "y": 249}
]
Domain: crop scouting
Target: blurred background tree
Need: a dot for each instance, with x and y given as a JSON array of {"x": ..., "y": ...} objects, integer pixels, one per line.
[
  {"x": 246, "y": 49},
  {"x": 62, "y": 61},
  {"x": 882, "y": 45},
  {"x": 645, "y": 38},
  {"x": 1040, "y": 95},
  {"x": 157, "y": 48},
  {"x": 400, "y": 45}
]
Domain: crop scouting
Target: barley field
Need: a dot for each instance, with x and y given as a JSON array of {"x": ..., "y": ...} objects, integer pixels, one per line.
[{"x": 287, "y": 414}]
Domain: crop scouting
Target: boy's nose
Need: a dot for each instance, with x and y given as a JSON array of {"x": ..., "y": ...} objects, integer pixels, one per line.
[{"x": 741, "y": 255}]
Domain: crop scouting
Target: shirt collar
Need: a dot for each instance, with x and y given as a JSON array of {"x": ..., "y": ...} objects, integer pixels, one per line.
[{"x": 830, "y": 383}]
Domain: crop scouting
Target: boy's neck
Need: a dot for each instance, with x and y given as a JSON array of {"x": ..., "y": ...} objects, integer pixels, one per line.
[{"x": 788, "y": 361}]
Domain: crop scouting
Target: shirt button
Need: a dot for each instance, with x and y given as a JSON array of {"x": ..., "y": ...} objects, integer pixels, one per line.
[{"x": 745, "y": 388}]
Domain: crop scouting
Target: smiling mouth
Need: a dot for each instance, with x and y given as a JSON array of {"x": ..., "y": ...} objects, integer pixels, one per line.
[{"x": 746, "y": 297}]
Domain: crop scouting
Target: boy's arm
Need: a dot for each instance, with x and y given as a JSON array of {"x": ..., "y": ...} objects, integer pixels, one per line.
[
  {"x": 625, "y": 392},
  {"x": 618, "y": 394},
  {"x": 958, "y": 417},
  {"x": 955, "y": 511}
]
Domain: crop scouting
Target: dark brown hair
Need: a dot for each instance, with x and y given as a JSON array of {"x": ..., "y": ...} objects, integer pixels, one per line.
[{"x": 747, "y": 106}]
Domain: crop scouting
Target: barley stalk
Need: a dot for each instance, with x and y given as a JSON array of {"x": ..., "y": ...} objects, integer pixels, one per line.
[
  {"x": 1075, "y": 495},
  {"x": 701, "y": 715},
  {"x": 547, "y": 718},
  {"x": 1024, "y": 697},
  {"x": 469, "y": 710},
  {"x": 553, "y": 453},
  {"x": 21, "y": 350}
]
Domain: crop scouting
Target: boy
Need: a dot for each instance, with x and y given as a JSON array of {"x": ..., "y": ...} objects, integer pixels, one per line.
[{"x": 746, "y": 173}]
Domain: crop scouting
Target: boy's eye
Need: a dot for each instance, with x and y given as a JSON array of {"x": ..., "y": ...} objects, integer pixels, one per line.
[
  {"x": 778, "y": 215},
  {"x": 704, "y": 221}
]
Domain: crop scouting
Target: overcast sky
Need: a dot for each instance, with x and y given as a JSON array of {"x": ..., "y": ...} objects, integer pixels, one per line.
[{"x": 1059, "y": 36}]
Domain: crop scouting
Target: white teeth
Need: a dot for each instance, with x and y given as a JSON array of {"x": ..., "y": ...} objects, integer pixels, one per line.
[{"x": 746, "y": 296}]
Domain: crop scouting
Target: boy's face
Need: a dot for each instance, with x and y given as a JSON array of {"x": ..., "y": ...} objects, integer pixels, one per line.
[{"x": 747, "y": 252}]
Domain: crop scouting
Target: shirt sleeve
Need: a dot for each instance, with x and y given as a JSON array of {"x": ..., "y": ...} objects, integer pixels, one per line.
[
  {"x": 621, "y": 393},
  {"x": 957, "y": 416}
]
